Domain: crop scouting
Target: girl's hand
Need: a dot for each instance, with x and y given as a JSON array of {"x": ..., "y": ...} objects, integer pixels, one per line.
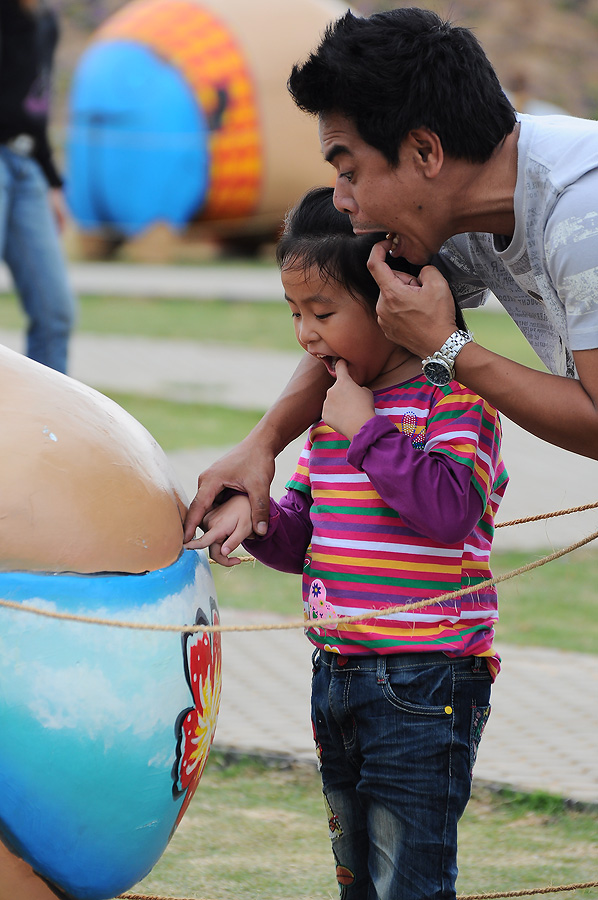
[
  {"x": 347, "y": 406},
  {"x": 224, "y": 528}
]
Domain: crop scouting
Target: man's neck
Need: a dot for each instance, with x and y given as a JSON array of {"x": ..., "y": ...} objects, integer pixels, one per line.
[{"x": 482, "y": 193}]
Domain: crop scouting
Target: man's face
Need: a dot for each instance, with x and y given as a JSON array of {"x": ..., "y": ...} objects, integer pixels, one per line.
[{"x": 378, "y": 197}]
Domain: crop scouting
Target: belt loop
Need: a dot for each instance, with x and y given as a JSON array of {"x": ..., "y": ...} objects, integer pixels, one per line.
[
  {"x": 381, "y": 676},
  {"x": 315, "y": 660},
  {"x": 477, "y": 664}
]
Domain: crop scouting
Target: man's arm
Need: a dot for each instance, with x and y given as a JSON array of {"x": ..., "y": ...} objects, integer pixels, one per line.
[
  {"x": 562, "y": 411},
  {"x": 249, "y": 467}
]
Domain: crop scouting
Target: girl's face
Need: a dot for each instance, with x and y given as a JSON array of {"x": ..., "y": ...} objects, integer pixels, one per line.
[{"x": 330, "y": 324}]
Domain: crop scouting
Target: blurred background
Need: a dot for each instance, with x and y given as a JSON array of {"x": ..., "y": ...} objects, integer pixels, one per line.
[{"x": 176, "y": 134}]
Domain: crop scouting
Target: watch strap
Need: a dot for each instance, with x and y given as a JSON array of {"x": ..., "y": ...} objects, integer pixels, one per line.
[{"x": 454, "y": 344}]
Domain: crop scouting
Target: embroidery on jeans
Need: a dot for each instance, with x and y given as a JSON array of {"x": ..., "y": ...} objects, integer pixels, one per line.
[
  {"x": 334, "y": 826},
  {"x": 344, "y": 875},
  {"x": 479, "y": 718},
  {"x": 318, "y": 746}
]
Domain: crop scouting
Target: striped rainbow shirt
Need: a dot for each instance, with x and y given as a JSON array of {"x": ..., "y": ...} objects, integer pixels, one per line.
[{"x": 364, "y": 556}]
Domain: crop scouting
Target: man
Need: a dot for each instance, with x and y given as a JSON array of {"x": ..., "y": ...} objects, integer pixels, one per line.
[{"x": 427, "y": 147}]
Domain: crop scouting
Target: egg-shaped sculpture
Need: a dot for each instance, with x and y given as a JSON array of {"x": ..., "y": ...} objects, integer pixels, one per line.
[{"x": 105, "y": 731}]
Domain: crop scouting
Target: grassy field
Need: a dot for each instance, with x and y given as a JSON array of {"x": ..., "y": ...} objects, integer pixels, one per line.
[
  {"x": 258, "y": 831},
  {"x": 266, "y": 325},
  {"x": 183, "y": 426}
]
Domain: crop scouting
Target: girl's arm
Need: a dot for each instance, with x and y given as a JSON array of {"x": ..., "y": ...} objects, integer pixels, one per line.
[
  {"x": 249, "y": 467},
  {"x": 289, "y": 533},
  {"x": 434, "y": 495},
  {"x": 284, "y": 545}
]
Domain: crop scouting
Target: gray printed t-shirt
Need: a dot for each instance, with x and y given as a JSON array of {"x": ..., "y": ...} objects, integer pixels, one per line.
[{"x": 546, "y": 277}]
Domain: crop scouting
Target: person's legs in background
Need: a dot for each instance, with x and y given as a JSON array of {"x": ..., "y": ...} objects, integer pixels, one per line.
[{"x": 31, "y": 248}]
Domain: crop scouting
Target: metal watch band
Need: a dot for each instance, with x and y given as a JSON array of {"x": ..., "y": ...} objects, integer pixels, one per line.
[{"x": 453, "y": 344}]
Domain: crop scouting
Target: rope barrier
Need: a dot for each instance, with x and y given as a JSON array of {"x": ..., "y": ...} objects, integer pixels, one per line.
[
  {"x": 295, "y": 624},
  {"x": 582, "y": 885},
  {"x": 530, "y": 892},
  {"x": 550, "y": 515}
]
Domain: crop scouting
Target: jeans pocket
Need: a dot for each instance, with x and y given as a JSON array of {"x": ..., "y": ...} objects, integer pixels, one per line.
[{"x": 422, "y": 691}]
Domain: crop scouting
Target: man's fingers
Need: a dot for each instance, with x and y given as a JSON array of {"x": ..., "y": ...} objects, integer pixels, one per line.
[
  {"x": 430, "y": 276},
  {"x": 199, "y": 506},
  {"x": 386, "y": 277},
  {"x": 377, "y": 264},
  {"x": 260, "y": 509}
]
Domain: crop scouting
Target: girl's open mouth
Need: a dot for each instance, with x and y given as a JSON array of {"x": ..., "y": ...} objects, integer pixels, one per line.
[{"x": 329, "y": 362}]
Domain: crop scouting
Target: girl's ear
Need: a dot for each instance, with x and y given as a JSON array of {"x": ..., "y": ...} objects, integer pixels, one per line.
[{"x": 427, "y": 150}]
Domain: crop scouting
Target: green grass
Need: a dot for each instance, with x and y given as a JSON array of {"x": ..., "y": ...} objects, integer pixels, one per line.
[
  {"x": 552, "y": 606},
  {"x": 253, "y": 586},
  {"x": 259, "y": 325},
  {"x": 254, "y": 830},
  {"x": 182, "y": 426},
  {"x": 266, "y": 325}
]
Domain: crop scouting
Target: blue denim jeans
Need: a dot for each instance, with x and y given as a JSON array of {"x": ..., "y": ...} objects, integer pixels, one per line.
[
  {"x": 397, "y": 738},
  {"x": 30, "y": 246}
]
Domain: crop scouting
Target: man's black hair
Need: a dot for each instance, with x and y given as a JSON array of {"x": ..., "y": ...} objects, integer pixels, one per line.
[
  {"x": 403, "y": 69},
  {"x": 316, "y": 235}
]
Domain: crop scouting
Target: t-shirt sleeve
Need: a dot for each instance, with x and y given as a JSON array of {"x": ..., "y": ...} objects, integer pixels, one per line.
[
  {"x": 432, "y": 493},
  {"x": 285, "y": 544},
  {"x": 457, "y": 264},
  {"x": 571, "y": 245}
]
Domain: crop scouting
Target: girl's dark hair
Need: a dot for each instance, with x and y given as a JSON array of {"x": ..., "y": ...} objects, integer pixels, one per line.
[{"x": 316, "y": 235}]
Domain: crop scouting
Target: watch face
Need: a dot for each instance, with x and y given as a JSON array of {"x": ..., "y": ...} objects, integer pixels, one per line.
[{"x": 437, "y": 373}]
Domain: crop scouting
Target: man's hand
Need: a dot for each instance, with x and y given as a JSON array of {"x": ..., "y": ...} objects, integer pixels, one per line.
[
  {"x": 247, "y": 468},
  {"x": 347, "y": 406},
  {"x": 225, "y": 527},
  {"x": 418, "y": 315}
]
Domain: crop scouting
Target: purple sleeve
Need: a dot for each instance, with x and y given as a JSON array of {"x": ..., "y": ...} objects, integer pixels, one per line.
[
  {"x": 433, "y": 494},
  {"x": 284, "y": 545}
]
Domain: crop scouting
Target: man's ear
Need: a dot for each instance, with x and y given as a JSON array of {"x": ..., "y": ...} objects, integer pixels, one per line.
[{"x": 428, "y": 150}]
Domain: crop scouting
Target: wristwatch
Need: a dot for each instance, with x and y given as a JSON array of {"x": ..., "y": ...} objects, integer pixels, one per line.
[{"x": 439, "y": 368}]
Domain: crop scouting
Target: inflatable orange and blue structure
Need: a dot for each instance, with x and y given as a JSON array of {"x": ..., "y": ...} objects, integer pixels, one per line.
[{"x": 179, "y": 113}]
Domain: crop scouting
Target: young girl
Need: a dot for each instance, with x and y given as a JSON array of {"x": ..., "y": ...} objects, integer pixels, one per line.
[{"x": 392, "y": 502}]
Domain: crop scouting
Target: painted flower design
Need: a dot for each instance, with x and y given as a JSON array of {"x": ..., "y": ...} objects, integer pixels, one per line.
[{"x": 196, "y": 725}]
